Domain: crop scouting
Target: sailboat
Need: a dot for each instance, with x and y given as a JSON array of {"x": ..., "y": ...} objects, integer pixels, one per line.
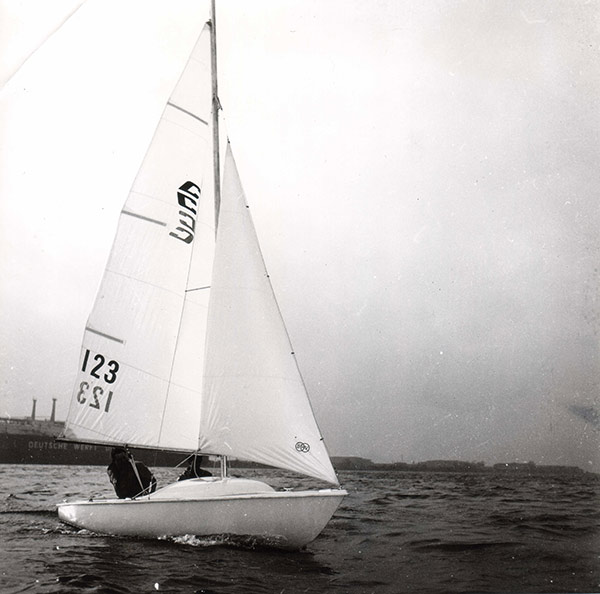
[{"x": 185, "y": 348}]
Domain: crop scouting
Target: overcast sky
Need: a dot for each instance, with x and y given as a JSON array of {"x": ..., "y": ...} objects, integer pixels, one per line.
[{"x": 423, "y": 178}]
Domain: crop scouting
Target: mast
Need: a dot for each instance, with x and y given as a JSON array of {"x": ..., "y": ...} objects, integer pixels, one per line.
[
  {"x": 215, "y": 126},
  {"x": 215, "y": 111}
]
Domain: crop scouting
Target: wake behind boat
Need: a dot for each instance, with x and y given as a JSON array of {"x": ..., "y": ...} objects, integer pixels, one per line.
[{"x": 185, "y": 348}]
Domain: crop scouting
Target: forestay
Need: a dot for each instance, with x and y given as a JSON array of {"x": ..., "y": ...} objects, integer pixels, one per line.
[{"x": 140, "y": 370}]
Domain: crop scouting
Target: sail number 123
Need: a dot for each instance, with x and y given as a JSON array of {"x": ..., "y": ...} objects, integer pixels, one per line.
[{"x": 99, "y": 368}]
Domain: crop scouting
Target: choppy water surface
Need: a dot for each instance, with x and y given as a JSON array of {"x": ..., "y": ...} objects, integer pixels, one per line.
[{"x": 404, "y": 532}]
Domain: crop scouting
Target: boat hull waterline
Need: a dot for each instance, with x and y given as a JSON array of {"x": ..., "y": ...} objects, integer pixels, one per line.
[{"x": 211, "y": 507}]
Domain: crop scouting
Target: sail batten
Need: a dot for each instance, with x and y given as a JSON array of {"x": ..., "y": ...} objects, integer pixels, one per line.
[
  {"x": 143, "y": 218},
  {"x": 188, "y": 113},
  {"x": 104, "y": 335}
]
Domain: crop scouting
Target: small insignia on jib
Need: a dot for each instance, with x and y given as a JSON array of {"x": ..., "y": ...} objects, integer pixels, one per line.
[
  {"x": 188, "y": 196},
  {"x": 302, "y": 447}
]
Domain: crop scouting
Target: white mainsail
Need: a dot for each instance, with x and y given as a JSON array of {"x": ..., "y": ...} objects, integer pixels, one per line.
[
  {"x": 185, "y": 347},
  {"x": 140, "y": 370}
]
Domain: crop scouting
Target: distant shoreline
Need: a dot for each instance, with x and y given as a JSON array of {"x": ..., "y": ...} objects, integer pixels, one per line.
[
  {"x": 529, "y": 468},
  {"x": 32, "y": 441}
]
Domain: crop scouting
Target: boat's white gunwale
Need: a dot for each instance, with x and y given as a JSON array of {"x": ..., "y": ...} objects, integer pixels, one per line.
[{"x": 272, "y": 495}]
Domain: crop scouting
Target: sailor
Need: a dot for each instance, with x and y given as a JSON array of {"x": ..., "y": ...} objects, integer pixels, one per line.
[
  {"x": 193, "y": 469},
  {"x": 129, "y": 478}
]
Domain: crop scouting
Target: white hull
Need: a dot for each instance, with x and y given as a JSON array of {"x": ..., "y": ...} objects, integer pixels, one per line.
[{"x": 207, "y": 507}]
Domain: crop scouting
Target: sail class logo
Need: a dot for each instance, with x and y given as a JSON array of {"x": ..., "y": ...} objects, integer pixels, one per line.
[
  {"x": 302, "y": 447},
  {"x": 188, "y": 195}
]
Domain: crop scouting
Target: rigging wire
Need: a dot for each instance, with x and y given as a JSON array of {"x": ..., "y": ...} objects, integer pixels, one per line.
[{"x": 43, "y": 42}]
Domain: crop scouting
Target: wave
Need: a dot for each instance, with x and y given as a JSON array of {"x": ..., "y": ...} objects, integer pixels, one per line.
[
  {"x": 32, "y": 512},
  {"x": 460, "y": 546}
]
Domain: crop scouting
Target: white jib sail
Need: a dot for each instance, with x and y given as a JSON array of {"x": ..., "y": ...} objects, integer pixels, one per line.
[
  {"x": 140, "y": 371},
  {"x": 255, "y": 404}
]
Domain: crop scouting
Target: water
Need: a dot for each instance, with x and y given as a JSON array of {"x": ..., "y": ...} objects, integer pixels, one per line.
[{"x": 404, "y": 532}]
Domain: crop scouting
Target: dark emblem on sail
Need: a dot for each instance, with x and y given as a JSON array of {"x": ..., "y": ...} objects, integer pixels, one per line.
[
  {"x": 302, "y": 447},
  {"x": 188, "y": 196}
]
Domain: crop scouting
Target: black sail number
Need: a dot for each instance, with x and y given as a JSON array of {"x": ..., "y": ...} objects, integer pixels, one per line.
[
  {"x": 111, "y": 376},
  {"x": 99, "y": 368},
  {"x": 94, "y": 397},
  {"x": 83, "y": 388},
  {"x": 99, "y": 361}
]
